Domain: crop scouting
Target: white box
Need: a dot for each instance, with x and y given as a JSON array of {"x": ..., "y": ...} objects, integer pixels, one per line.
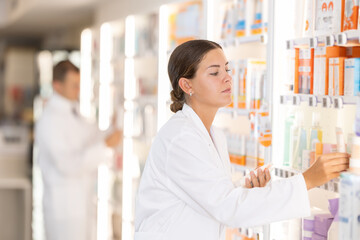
[{"x": 319, "y": 70}]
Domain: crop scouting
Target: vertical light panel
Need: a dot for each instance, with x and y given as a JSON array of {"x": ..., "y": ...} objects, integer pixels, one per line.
[
  {"x": 103, "y": 205},
  {"x": 210, "y": 21},
  {"x": 130, "y": 36},
  {"x": 128, "y": 157},
  {"x": 86, "y": 92},
  {"x": 106, "y": 76},
  {"x": 163, "y": 82}
]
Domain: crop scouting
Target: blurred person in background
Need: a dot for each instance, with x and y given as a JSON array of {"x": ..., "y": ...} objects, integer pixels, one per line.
[{"x": 70, "y": 151}]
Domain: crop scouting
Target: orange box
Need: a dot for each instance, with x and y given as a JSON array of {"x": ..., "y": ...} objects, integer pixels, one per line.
[
  {"x": 304, "y": 71},
  {"x": 353, "y": 52},
  {"x": 296, "y": 80},
  {"x": 318, "y": 152},
  {"x": 351, "y": 12},
  {"x": 240, "y": 160}
]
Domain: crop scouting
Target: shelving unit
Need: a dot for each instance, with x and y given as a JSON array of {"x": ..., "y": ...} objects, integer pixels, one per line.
[
  {"x": 325, "y": 101},
  {"x": 140, "y": 107},
  {"x": 333, "y": 111}
]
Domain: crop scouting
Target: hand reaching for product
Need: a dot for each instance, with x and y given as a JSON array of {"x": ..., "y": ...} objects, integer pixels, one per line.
[
  {"x": 260, "y": 179},
  {"x": 325, "y": 168}
]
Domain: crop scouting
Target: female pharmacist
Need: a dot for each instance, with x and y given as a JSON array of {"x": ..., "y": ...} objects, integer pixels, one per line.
[{"x": 186, "y": 190}]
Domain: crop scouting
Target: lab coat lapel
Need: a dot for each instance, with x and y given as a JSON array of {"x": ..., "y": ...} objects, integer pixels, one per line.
[
  {"x": 188, "y": 111},
  {"x": 219, "y": 142}
]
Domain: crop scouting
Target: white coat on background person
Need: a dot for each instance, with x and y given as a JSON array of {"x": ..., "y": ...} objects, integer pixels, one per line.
[
  {"x": 70, "y": 151},
  {"x": 186, "y": 191}
]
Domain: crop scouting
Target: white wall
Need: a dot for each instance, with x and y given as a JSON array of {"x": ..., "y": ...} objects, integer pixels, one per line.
[{"x": 118, "y": 9}]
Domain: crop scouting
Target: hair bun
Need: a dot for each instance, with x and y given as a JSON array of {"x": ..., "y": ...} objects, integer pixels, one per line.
[{"x": 178, "y": 101}]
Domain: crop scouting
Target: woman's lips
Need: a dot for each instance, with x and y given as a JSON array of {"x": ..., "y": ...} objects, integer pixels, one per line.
[{"x": 228, "y": 90}]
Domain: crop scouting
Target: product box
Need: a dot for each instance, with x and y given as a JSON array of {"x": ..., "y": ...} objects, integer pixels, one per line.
[
  {"x": 329, "y": 16},
  {"x": 255, "y": 83},
  {"x": 352, "y": 77},
  {"x": 257, "y": 26},
  {"x": 240, "y": 27},
  {"x": 351, "y": 12},
  {"x": 353, "y": 52},
  {"x": 304, "y": 72},
  {"x": 233, "y": 74},
  {"x": 241, "y": 80},
  {"x": 228, "y": 25},
  {"x": 309, "y": 18},
  {"x": 320, "y": 71},
  {"x": 251, "y": 152},
  {"x": 336, "y": 76},
  {"x": 288, "y": 83},
  {"x": 332, "y": 52},
  {"x": 349, "y": 208}
]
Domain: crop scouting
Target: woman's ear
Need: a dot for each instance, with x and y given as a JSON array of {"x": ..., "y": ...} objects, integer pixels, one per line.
[{"x": 185, "y": 85}]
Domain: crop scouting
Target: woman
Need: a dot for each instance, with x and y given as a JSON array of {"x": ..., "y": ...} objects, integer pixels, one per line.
[{"x": 186, "y": 190}]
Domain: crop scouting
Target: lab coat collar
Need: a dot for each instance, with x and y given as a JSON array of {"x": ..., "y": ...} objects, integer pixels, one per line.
[
  {"x": 188, "y": 111},
  {"x": 62, "y": 103}
]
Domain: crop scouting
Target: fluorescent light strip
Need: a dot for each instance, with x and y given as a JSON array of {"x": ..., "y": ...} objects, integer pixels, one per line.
[
  {"x": 106, "y": 76},
  {"x": 85, "y": 76},
  {"x": 163, "y": 82},
  {"x": 130, "y": 36}
]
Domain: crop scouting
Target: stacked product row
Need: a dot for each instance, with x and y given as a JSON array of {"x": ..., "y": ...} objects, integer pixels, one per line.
[
  {"x": 244, "y": 18},
  {"x": 302, "y": 145},
  {"x": 333, "y": 71},
  {"x": 349, "y": 209},
  {"x": 325, "y": 17},
  {"x": 249, "y": 81},
  {"x": 250, "y": 150}
]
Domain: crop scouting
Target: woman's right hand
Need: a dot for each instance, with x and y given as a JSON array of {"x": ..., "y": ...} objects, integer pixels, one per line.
[{"x": 325, "y": 168}]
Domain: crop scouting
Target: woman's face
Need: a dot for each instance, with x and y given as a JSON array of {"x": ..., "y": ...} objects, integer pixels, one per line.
[{"x": 212, "y": 84}]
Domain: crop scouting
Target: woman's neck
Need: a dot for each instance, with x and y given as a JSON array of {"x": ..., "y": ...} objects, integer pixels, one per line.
[{"x": 205, "y": 113}]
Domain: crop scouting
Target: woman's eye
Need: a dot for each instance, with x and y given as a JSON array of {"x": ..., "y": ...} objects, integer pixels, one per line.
[
  {"x": 228, "y": 70},
  {"x": 214, "y": 74}
]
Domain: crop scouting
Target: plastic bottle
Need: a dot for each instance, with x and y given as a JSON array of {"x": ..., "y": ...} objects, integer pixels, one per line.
[
  {"x": 357, "y": 117},
  {"x": 315, "y": 131},
  {"x": 298, "y": 141},
  {"x": 289, "y": 122}
]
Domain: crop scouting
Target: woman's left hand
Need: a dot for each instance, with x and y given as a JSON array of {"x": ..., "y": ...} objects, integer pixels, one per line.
[{"x": 262, "y": 178}]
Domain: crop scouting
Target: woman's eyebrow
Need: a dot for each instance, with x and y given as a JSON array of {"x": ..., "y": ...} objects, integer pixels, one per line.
[{"x": 217, "y": 65}]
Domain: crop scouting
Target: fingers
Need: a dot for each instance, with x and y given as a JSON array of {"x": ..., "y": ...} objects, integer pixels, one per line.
[
  {"x": 337, "y": 168},
  {"x": 248, "y": 183},
  {"x": 267, "y": 175},
  {"x": 334, "y": 155},
  {"x": 254, "y": 179},
  {"x": 261, "y": 177}
]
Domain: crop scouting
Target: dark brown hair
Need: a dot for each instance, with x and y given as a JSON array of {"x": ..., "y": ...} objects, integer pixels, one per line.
[
  {"x": 62, "y": 68},
  {"x": 184, "y": 62}
]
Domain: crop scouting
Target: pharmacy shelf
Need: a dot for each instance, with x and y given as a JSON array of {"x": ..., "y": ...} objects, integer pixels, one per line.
[
  {"x": 260, "y": 38},
  {"x": 306, "y": 42},
  {"x": 285, "y": 172},
  {"x": 347, "y": 38},
  {"x": 318, "y": 100}
]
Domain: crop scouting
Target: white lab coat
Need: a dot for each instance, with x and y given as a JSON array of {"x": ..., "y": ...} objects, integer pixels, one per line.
[
  {"x": 70, "y": 150},
  {"x": 186, "y": 190}
]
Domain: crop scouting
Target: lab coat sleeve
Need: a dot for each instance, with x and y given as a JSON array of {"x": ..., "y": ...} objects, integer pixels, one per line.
[
  {"x": 73, "y": 160},
  {"x": 197, "y": 180}
]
